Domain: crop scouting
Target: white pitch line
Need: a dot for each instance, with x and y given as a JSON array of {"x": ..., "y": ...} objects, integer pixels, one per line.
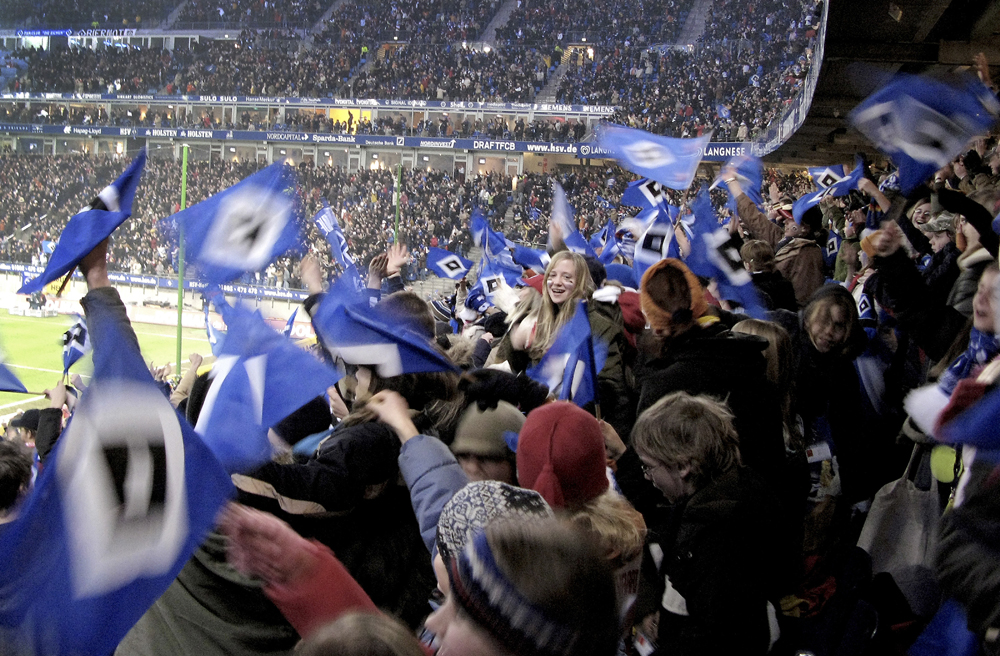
[
  {"x": 21, "y": 402},
  {"x": 51, "y": 371}
]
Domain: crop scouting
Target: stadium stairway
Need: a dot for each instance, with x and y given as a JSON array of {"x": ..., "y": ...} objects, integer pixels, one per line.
[
  {"x": 174, "y": 15},
  {"x": 551, "y": 88},
  {"x": 321, "y": 23},
  {"x": 489, "y": 35},
  {"x": 694, "y": 26}
]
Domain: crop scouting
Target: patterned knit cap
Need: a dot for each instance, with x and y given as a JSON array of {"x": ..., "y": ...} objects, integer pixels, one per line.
[{"x": 476, "y": 505}]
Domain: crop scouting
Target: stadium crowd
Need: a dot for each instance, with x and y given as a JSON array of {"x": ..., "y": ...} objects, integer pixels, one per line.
[
  {"x": 714, "y": 508},
  {"x": 300, "y": 14},
  {"x": 86, "y": 13},
  {"x": 371, "y": 22}
]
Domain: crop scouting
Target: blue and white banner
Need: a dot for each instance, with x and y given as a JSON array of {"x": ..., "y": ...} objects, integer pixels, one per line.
[
  {"x": 447, "y": 264},
  {"x": 671, "y": 162}
]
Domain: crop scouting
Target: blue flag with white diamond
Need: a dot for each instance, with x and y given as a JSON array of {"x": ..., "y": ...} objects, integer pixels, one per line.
[
  {"x": 669, "y": 161},
  {"x": 447, "y": 264},
  {"x": 656, "y": 242},
  {"x": 923, "y": 123},
  {"x": 531, "y": 258},
  {"x": 714, "y": 256},
  {"x": 484, "y": 236},
  {"x": 76, "y": 343},
  {"x": 127, "y": 496},
  {"x": 562, "y": 218},
  {"x": 287, "y": 332},
  {"x": 327, "y": 224},
  {"x": 570, "y": 367},
  {"x": 644, "y": 193},
  {"x": 258, "y": 379},
  {"x": 840, "y": 188},
  {"x": 244, "y": 228},
  {"x": 827, "y": 176},
  {"x": 749, "y": 172},
  {"x": 91, "y": 225}
]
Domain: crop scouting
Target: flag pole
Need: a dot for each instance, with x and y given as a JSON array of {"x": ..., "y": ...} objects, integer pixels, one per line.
[
  {"x": 397, "y": 194},
  {"x": 180, "y": 258}
]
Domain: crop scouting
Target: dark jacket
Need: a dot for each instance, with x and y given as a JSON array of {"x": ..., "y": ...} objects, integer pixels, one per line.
[
  {"x": 780, "y": 295},
  {"x": 941, "y": 273},
  {"x": 721, "y": 555},
  {"x": 731, "y": 367}
]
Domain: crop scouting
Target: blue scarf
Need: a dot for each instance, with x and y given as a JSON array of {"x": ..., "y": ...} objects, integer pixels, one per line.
[{"x": 982, "y": 348}]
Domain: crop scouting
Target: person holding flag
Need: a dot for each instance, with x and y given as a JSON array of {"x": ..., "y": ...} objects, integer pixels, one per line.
[
  {"x": 798, "y": 256},
  {"x": 568, "y": 281}
]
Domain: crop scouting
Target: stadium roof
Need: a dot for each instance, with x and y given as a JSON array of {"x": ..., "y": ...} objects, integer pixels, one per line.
[{"x": 868, "y": 41}]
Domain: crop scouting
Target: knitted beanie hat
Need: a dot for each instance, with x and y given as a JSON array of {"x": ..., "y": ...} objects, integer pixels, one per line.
[
  {"x": 476, "y": 505},
  {"x": 664, "y": 304},
  {"x": 492, "y": 601},
  {"x": 481, "y": 432},
  {"x": 560, "y": 455}
]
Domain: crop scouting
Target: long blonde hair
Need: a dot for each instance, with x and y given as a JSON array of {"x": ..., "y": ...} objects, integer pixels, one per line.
[{"x": 552, "y": 317}]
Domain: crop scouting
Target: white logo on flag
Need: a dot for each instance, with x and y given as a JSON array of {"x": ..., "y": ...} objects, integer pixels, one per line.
[
  {"x": 913, "y": 128},
  {"x": 648, "y": 154},
  {"x": 726, "y": 258},
  {"x": 452, "y": 265},
  {"x": 121, "y": 475},
  {"x": 246, "y": 228},
  {"x": 828, "y": 178},
  {"x": 653, "y": 191}
]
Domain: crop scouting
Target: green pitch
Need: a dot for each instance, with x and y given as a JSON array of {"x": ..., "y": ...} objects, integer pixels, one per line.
[{"x": 33, "y": 350}]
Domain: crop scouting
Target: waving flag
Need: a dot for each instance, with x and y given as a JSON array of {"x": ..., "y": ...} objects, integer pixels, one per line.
[
  {"x": 484, "y": 236},
  {"x": 840, "y": 188},
  {"x": 562, "y": 216},
  {"x": 531, "y": 258},
  {"x": 259, "y": 379},
  {"x": 601, "y": 237},
  {"x": 129, "y": 493},
  {"x": 604, "y": 203},
  {"x": 287, "y": 332},
  {"x": 644, "y": 193},
  {"x": 923, "y": 123},
  {"x": 91, "y": 225},
  {"x": 750, "y": 174},
  {"x": 327, "y": 224},
  {"x": 714, "y": 256},
  {"x": 9, "y": 382},
  {"x": 671, "y": 162},
  {"x": 570, "y": 367},
  {"x": 656, "y": 243},
  {"x": 367, "y": 336},
  {"x": 494, "y": 270},
  {"x": 243, "y": 228},
  {"x": 833, "y": 242},
  {"x": 76, "y": 343},
  {"x": 827, "y": 176},
  {"x": 447, "y": 264}
]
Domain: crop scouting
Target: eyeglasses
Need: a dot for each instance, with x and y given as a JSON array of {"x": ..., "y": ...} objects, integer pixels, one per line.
[{"x": 646, "y": 469}]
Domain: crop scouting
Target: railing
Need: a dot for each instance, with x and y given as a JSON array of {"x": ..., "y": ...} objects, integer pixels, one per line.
[{"x": 793, "y": 117}]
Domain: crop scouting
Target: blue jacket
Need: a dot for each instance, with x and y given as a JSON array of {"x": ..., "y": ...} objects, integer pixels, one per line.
[{"x": 433, "y": 476}]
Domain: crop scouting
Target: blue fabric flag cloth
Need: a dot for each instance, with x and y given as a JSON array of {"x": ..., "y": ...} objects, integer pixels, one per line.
[
  {"x": 91, "y": 225},
  {"x": 531, "y": 258},
  {"x": 644, "y": 193},
  {"x": 750, "y": 174},
  {"x": 839, "y": 188},
  {"x": 243, "y": 228},
  {"x": 570, "y": 367},
  {"x": 447, "y": 264},
  {"x": 259, "y": 379},
  {"x": 671, "y": 162},
  {"x": 216, "y": 337},
  {"x": 562, "y": 218},
  {"x": 485, "y": 237},
  {"x": 327, "y": 224},
  {"x": 656, "y": 243},
  {"x": 495, "y": 269},
  {"x": 10, "y": 382},
  {"x": 602, "y": 236},
  {"x": 612, "y": 247},
  {"x": 287, "y": 332},
  {"x": 76, "y": 343},
  {"x": 827, "y": 176},
  {"x": 714, "y": 256},
  {"x": 128, "y": 494},
  {"x": 371, "y": 337},
  {"x": 923, "y": 123}
]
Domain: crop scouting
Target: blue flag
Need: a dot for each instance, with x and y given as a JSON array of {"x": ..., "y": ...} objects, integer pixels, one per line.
[
  {"x": 977, "y": 426},
  {"x": 259, "y": 379},
  {"x": 923, "y": 123},
  {"x": 495, "y": 269},
  {"x": 644, "y": 193},
  {"x": 714, "y": 256},
  {"x": 570, "y": 367},
  {"x": 243, "y": 228},
  {"x": 10, "y": 382},
  {"x": 833, "y": 241},
  {"x": 656, "y": 243},
  {"x": 76, "y": 343},
  {"x": 534, "y": 213},
  {"x": 447, "y": 264},
  {"x": 671, "y": 162},
  {"x": 840, "y": 188},
  {"x": 287, "y": 332},
  {"x": 327, "y": 224},
  {"x": 91, "y": 225},
  {"x": 604, "y": 202},
  {"x": 750, "y": 174},
  {"x": 827, "y": 176},
  {"x": 484, "y": 236},
  {"x": 127, "y": 496},
  {"x": 601, "y": 236},
  {"x": 562, "y": 217},
  {"x": 531, "y": 258},
  {"x": 371, "y": 337},
  {"x": 612, "y": 248}
]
